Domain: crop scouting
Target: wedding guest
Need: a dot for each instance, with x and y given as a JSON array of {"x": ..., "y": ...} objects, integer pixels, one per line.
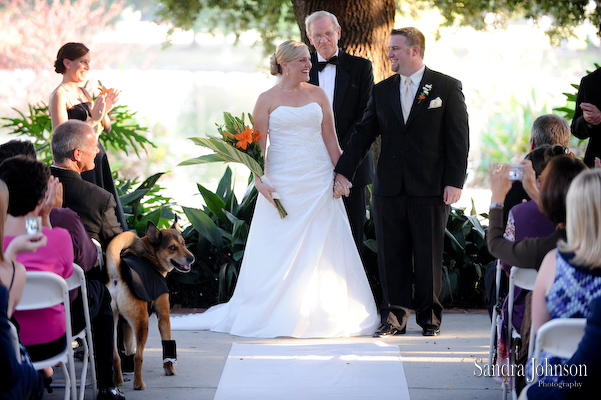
[
  {"x": 70, "y": 101},
  {"x": 27, "y": 181},
  {"x": 85, "y": 251},
  {"x": 347, "y": 80},
  {"x": 18, "y": 380},
  {"x": 525, "y": 221},
  {"x": 547, "y": 129},
  {"x": 587, "y": 117},
  {"x": 13, "y": 272},
  {"x": 555, "y": 181},
  {"x": 301, "y": 276},
  {"x": 569, "y": 278},
  {"x": 422, "y": 119},
  {"x": 74, "y": 146}
]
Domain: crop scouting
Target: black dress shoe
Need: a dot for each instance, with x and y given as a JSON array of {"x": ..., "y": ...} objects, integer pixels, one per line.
[
  {"x": 431, "y": 331},
  {"x": 110, "y": 394},
  {"x": 389, "y": 330}
]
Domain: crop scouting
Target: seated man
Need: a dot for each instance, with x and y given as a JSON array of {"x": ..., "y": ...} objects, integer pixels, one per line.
[
  {"x": 85, "y": 251},
  {"x": 74, "y": 146}
]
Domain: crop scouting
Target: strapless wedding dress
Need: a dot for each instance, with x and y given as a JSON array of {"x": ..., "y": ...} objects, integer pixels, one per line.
[{"x": 301, "y": 276}]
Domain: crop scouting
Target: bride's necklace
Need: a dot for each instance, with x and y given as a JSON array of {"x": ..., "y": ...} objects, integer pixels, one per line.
[{"x": 290, "y": 91}]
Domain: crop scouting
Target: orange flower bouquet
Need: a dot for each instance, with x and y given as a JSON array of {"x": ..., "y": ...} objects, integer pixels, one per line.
[{"x": 238, "y": 143}]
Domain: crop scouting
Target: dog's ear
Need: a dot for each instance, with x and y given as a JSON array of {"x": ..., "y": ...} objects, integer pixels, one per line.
[
  {"x": 175, "y": 224},
  {"x": 153, "y": 234}
]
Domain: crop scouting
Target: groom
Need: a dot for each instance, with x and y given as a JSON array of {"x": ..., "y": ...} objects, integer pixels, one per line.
[
  {"x": 421, "y": 117},
  {"x": 347, "y": 80}
]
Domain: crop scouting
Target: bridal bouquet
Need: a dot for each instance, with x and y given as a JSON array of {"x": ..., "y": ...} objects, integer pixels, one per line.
[{"x": 238, "y": 143}]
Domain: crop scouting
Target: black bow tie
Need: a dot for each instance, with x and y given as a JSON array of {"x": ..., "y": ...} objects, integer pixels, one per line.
[{"x": 322, "y": 64}]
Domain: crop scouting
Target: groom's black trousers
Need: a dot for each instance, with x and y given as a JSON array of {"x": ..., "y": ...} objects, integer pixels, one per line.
[{"x": 410, "y": 236}]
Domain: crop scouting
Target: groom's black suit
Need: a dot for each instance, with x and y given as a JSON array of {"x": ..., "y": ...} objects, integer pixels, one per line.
[
  {"x": 418, "y": 159},
  {"x": 354, "y": 80}
]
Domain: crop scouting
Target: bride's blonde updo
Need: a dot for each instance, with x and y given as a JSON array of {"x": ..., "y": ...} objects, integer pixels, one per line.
[{"x": 287, "y": 51}]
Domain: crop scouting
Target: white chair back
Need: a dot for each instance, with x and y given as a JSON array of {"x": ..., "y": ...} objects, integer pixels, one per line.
[
  {"x": 78, "y": 280},
  {"x": 43, "y": 290},
  {"x": 559, "y": 336}
]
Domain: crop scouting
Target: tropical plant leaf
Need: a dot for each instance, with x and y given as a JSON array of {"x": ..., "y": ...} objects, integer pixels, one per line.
[
  {"x": 229, "y": 153},
  {"x": 204, "y": 225}
]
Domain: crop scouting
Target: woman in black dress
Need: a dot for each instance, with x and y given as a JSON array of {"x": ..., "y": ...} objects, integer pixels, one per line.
[{"x": 70, "y": 101}]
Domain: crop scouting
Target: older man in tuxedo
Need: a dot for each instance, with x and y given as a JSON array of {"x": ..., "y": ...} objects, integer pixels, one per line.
[
  {"x": 422, "y": 119},
  {"x": 74, "y": 146},
  {"x": 347, "y": 80}
]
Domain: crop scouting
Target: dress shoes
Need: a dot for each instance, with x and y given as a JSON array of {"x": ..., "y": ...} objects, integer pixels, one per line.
[
  {"x": 431, "y": 331},
  {"x": 110, "y": 394},
  {"x": 389, "y": 330}
]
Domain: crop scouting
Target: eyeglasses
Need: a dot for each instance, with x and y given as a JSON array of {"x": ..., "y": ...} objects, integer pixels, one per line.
[{"x": 328, "y": 35}]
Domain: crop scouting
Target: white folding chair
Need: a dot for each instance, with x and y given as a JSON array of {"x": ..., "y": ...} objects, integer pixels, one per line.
[
  {"x": 496, "y": 318},
  {"x": 525, "y": 279},
  {"x": 99, "y": 251},
  {"x": 43, "y": 290},
  {"x": 560, "y": 337},
  {"x": 78, "y": 280}
]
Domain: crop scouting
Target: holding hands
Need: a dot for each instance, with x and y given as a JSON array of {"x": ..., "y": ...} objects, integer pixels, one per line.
[{"x": 342, "y": 186}]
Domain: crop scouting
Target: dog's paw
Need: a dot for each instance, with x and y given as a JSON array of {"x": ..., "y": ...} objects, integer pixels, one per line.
[
  {"x": 169, "y": 368},
  {"x": 140, "y": 386}
]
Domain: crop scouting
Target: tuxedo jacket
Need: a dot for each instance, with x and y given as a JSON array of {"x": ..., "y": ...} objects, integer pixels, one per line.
[
  {"x": 423, "y": 155},
  {"x": 94, "y": 205},
  {"x": 588, "y": 92},
  {"x": 354, "y": 80}
]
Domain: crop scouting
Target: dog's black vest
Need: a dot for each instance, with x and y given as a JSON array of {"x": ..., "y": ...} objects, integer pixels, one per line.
[{"x": 143, "y": 279}]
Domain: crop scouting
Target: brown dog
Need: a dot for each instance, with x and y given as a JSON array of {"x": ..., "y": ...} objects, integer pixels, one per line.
[{"x": 163, "y": 249}]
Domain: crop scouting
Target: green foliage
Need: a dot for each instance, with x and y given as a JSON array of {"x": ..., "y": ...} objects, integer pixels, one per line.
[
  {"x": 464, "y": 259},
  {"x": 566, "y": 15},
  {"x": 507, "y": 138},
  {"x": 126, "y": 132},
  {"x": 568, "y": 109},
  {"x": 37, "y": 126},
  {"x": 217, "y": 238},
  {"x": 144, "y": 202},
  {"x": 272, "y": 19}
]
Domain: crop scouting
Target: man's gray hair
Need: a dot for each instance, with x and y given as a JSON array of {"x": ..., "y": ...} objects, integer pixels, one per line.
[
  {"x": 318, "y": 14},
  {"x": 67, "y": 137},
  {"x": 550, "y": 129}
]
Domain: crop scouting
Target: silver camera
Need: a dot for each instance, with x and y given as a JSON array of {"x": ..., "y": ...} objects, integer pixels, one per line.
[
  {"x": 33, "y": 225},
  {"x": 516, "y": 173}
]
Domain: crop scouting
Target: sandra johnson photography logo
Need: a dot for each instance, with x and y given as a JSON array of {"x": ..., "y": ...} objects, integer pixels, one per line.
[{"x": 544, "y": 369}]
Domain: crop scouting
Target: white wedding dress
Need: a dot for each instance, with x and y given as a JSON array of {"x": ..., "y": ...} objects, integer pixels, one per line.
[{"x": 301, "y": 276}]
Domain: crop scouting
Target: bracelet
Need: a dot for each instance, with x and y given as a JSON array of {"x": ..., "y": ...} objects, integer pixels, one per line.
[{"x": 495, "y": 205}]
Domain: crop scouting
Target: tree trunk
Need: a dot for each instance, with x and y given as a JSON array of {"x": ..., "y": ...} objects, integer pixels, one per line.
[{"x": 366, "y": 26}]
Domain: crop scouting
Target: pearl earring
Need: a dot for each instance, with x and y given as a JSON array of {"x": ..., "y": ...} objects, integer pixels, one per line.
[{"x": 286, "y": 73}]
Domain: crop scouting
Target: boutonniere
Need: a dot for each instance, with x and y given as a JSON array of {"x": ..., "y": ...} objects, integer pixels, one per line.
[{"x": 424, "y": 93}]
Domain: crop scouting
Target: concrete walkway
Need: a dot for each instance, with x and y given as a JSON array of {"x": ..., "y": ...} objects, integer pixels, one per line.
[{"x": 435, "y": 368}]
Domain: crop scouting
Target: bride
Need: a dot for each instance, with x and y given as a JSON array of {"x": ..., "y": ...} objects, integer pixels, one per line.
[{"x": 302, "y": 275}]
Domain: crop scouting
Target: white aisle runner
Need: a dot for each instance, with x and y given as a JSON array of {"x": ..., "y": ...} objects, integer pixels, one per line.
[{"x": 321, "y": 371}]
